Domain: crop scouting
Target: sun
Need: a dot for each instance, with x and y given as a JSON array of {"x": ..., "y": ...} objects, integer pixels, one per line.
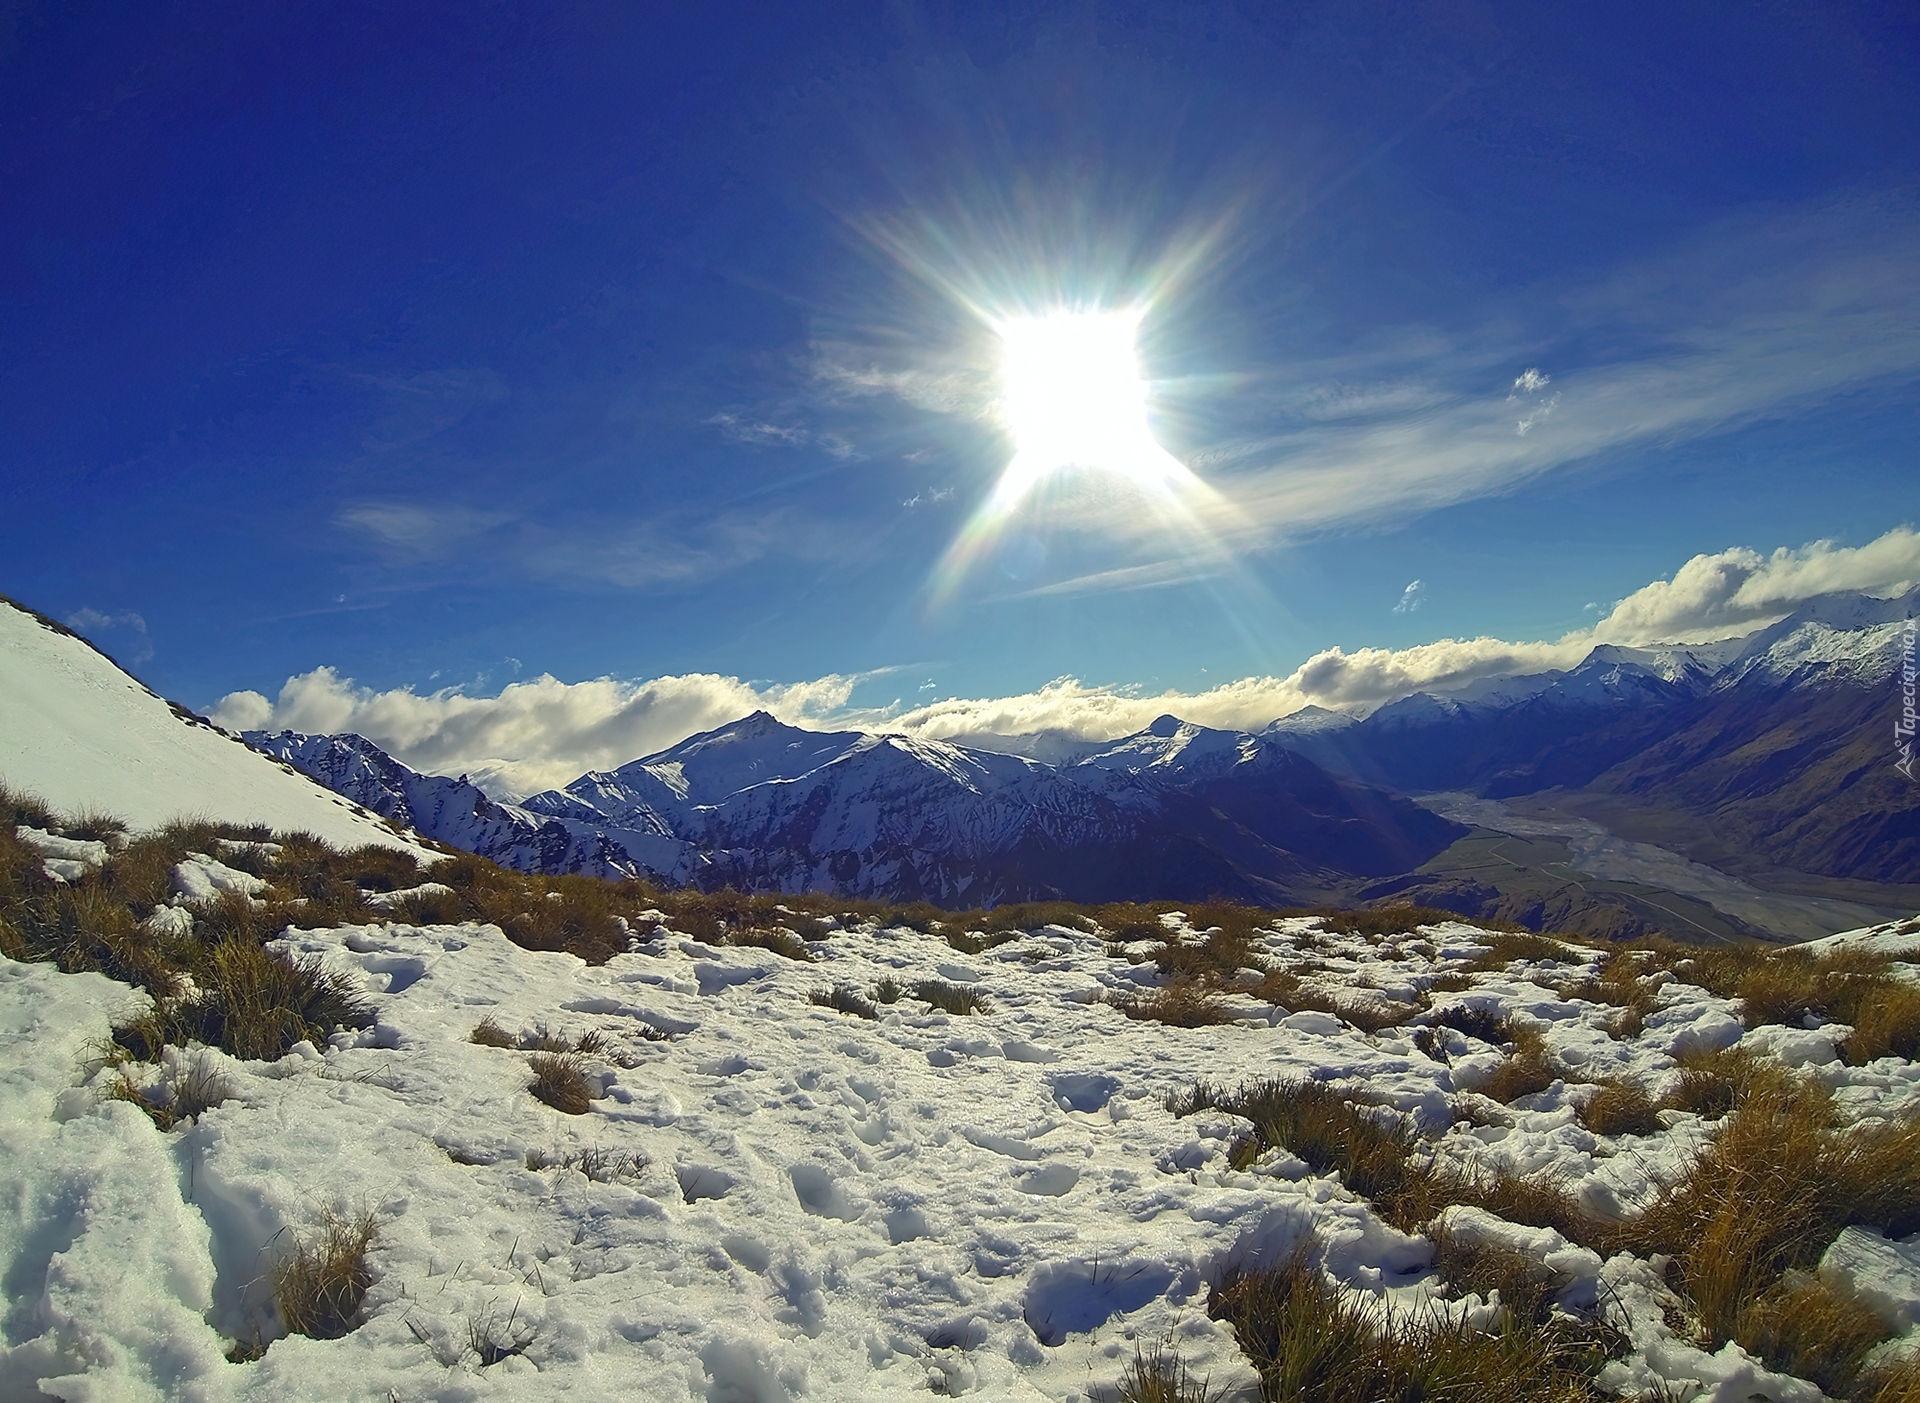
[{"x": 1072, "y": 394}]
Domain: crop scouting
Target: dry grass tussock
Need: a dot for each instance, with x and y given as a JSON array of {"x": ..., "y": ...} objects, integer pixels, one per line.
[
  {"x": 1788, "y": 986},
  {"x": 318, "y": 1283},
  {"x": 951, "y": 998},
  {"x": 602, "y": 1166},
  {"x": 1742, "y": 1227},
  {"x": 1379, "y": 1156},
  {"x": 195, "y": 1087},
  {"x": 1528, "y": 1067},
  {"x": 1311, "y": 1343},
  {"x": 1182, "y": 1003},
  {"x": 489, "y": 1033},
  {"x": 844, "y": 998},
  {"x": 1158, "y": 1376},
  {"x": 560, "y": 1080},
  {"x": 1620, "y": 1108}
]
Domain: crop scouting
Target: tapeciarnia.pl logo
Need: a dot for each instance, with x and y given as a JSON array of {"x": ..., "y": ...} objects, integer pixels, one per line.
[{"x": 1903, "y": 728}]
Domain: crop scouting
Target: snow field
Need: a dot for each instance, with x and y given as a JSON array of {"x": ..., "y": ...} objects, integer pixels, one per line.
[{"x": 781, "y": 1201}]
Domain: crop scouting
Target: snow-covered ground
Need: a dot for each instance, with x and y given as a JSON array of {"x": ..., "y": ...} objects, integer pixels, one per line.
[
  {"x": 77, "y": 731},
  {"x": 790, "y": 1202}
]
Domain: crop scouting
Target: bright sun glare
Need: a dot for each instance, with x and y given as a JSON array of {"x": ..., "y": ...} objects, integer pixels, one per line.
[{"x": 1073, "y": 395}]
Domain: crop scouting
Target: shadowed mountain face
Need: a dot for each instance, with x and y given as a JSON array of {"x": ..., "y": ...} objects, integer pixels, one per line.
[
  {"x": 1178, "y": 811},
  {"x": 1778, "y": 754}
]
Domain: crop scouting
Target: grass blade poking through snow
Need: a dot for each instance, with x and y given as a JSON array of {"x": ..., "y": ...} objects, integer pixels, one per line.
[{"x": 319, "y": 1285}]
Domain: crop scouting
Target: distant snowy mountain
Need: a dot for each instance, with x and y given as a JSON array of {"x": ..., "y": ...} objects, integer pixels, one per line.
[
  {"x": 1775, "y": 748},
  {"x": 81, "y": 733},
  {"x": 450, "y": 811},
  {"x": 763, "y": 806}
]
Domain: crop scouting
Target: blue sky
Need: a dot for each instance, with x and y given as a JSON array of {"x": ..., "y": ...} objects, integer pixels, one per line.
[{"x": 449, "y": 346}]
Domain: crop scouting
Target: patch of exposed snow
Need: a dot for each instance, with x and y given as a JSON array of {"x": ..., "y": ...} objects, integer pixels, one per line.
[
  {"x": 202, "y": 878},
  {"x": 66, "y": 859}
]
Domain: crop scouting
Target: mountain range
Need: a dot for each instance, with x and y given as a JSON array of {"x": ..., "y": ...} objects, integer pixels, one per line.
[
  {"x": 1767, "y": 755},
  {"x": 1769, "y": 758},
  {"x": 1177, "y": 810}
]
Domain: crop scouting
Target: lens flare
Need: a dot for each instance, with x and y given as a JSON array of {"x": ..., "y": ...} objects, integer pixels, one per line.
[
  {"x": 1073, "y": 397},
  {"x": 1072, "y": 394}
]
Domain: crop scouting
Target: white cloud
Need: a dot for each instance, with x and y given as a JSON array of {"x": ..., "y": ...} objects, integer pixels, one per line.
[
  {"x": 545, "y": 732},
  {"x": 1529, "y": 382},
  {"x": 123, "y": 634},
  {"x": 1533, "y": 416},
  {"x": 533, "y": 734},
  {"x": 1410, "y": 598},
  {"x": 1717, "y": 596}
]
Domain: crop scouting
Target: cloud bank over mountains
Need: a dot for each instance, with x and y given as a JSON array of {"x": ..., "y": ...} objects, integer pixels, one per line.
[{"x": 544, "y": 732}]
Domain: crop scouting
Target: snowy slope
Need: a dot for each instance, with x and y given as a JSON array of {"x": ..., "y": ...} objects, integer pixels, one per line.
[
  {"x": 791, "y": 1203},
  {"x": 79, "y": 732},
  {"x": 1847, "y": 639},
  {"x": 456, "y": 812}
]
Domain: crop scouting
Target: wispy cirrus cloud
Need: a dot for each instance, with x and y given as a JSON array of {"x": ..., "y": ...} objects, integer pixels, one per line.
[
  {"x": 671, "y": 548},
  {"x": 1805, "y": 305}
]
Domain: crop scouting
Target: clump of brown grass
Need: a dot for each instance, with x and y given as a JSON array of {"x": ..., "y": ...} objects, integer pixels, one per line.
[
  {"x": 1771, "y": 1192},
  {"x": 252, "y": 1003},
  {"x": 19, "y": 807},
  {"x": 1127, "y": 921},
  {"x": 1183, "y": 1003},
  {"x": 1805, "y": 1328},
  {"x": 1527, "y": 1287},
  {"x": 843, "y": 998},
  {"x": 544, "y": 1039},
  {"x": 93, "y": 826},
  {"x": 1897, "y": 1381},
  {"x": 1375, "y": 1151},
  {"x": 1789, "y": 986},
  {"x": 1158, "y": 1376},
  {"x": 560, "y": 1080},
  {"x": 1527, "y": 1069},
  {"x": 969, "y": 942},
  {"x": 888, "y": 990},
  {"x": 1481, "y": 1024},
  {"x": 490, "y": 1034},
  {"x": 1507, "y": 947},
  {"x": 1310, "y": 1343},
  {"x": 602, "y": 1166},
  {"x": 1399, "y": 919},
  {"x": 1368, "y": 1147},
  {"x": 1711, "y": 1083},
  {"x": 1620, "y": 1108},
  {"x": 951, "y": 998},
  {"x": 1284, "y": 988},
  {"x": 1620, "y": 982},
  {"x": 319, "y": 1284}
]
